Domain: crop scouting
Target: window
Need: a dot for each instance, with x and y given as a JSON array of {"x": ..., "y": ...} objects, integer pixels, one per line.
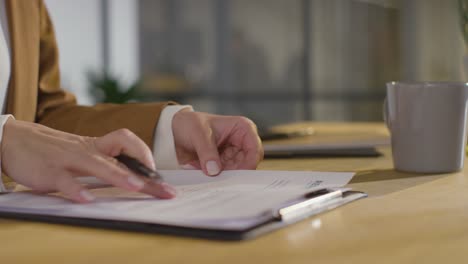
[{"x": 279, "y": 61}]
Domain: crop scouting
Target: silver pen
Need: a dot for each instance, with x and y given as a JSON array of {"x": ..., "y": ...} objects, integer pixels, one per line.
[{"x": 305, "y": 207}]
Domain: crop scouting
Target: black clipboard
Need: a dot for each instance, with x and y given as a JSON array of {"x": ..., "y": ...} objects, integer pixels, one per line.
[
  {"x": 270, "y": 224},
  {"x": 370, "y": 152}
]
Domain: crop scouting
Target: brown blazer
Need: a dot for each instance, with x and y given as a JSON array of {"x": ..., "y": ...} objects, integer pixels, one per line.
[{"x": 34, "y": 92}]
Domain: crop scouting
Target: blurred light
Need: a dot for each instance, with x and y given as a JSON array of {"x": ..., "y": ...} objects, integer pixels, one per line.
[{"x": 316, "y": 223}]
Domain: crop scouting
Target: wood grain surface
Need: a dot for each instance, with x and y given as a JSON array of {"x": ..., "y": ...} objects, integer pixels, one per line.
[{"x": 408, "y": 218}]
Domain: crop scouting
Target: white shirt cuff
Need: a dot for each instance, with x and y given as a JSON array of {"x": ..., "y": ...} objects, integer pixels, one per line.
[
  {"x": 164, "y": 151},
  {"x": 4, "y": 187}
]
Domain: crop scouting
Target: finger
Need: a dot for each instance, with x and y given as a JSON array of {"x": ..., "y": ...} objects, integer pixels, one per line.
[
  {"x": 107, "y": 169},
  {"x": 253, "y": 153},
  {"x": 125, "y": 141},
  {"x": 253, "y": 146},
  {"x": 159, "y": 189},
  {"x": 207, "y": 150},
  {"x": 246, "y": 149},
  {"x": 73, "y": 190},
  {"x": 192, "y": 165},
  {"x": 232, "y": 158}
]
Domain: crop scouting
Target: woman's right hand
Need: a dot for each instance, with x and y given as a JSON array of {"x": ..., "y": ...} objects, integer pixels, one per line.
[{"x": 47, "y": 160}]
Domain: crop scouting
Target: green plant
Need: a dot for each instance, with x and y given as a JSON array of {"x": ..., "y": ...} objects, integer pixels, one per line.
[
  {"x": 106, "y": 88},
  {"x": 463, "y": 13}
]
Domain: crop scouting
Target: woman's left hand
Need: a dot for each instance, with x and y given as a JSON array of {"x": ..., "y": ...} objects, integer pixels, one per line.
[{"x": 214, "y": 143}]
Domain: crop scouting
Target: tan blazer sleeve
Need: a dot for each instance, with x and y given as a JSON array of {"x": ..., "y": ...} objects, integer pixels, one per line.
[{"x": 58, "y": 109}]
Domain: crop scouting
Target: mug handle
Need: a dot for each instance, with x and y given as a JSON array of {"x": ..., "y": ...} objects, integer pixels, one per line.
[{"x": 385, "y": 114}]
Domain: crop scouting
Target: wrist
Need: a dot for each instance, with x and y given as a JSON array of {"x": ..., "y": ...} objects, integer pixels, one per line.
[{"x": 164, "y": 148}]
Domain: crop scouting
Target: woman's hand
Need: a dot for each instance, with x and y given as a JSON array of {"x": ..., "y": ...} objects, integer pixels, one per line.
[
  {"x": 214, "y": 143},
  {"x": 47, "y": 160}
]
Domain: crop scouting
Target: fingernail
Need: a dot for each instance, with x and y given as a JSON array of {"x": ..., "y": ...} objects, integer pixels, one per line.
[
  {"x": 136, "y": 182},
  {"x": 85, "y": 194},
  {"x": 188, "y": 167},
  {"x": 212, "y": 167},
  {"x": 169, "y": 189},
  {"x": 153, "y": 165}
]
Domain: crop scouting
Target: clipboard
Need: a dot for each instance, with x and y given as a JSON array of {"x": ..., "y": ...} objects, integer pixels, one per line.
[
  {"x": 370, "y": 152},
  {"x": 314, "y": 203},
  {"x": 326, "y": 146}
]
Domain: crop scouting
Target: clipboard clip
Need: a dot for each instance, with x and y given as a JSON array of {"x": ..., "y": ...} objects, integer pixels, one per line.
[{"x": 317, "y": 201}]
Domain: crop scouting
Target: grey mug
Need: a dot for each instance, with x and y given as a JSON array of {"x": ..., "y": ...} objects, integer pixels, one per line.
[{"x": 427, "y": 123}]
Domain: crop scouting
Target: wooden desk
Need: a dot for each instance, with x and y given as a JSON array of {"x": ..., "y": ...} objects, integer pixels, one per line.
[{"x": 407, "y": 219}]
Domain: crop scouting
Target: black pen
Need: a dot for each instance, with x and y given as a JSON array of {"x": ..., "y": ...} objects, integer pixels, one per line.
[{"x": 138, "y": 167}]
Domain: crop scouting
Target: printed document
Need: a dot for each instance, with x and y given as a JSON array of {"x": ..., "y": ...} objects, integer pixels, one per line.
[{"x": 233, "y": 200}]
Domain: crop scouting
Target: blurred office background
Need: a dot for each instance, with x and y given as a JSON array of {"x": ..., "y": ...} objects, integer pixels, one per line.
[{"x": 274, "y": 61}]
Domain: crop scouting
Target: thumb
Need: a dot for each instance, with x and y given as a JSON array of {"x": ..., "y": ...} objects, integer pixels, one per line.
[{"x": 207, "y": 151}]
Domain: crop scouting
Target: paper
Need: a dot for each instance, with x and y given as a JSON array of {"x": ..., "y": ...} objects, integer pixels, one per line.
[{"x": 232, "y": 200}]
